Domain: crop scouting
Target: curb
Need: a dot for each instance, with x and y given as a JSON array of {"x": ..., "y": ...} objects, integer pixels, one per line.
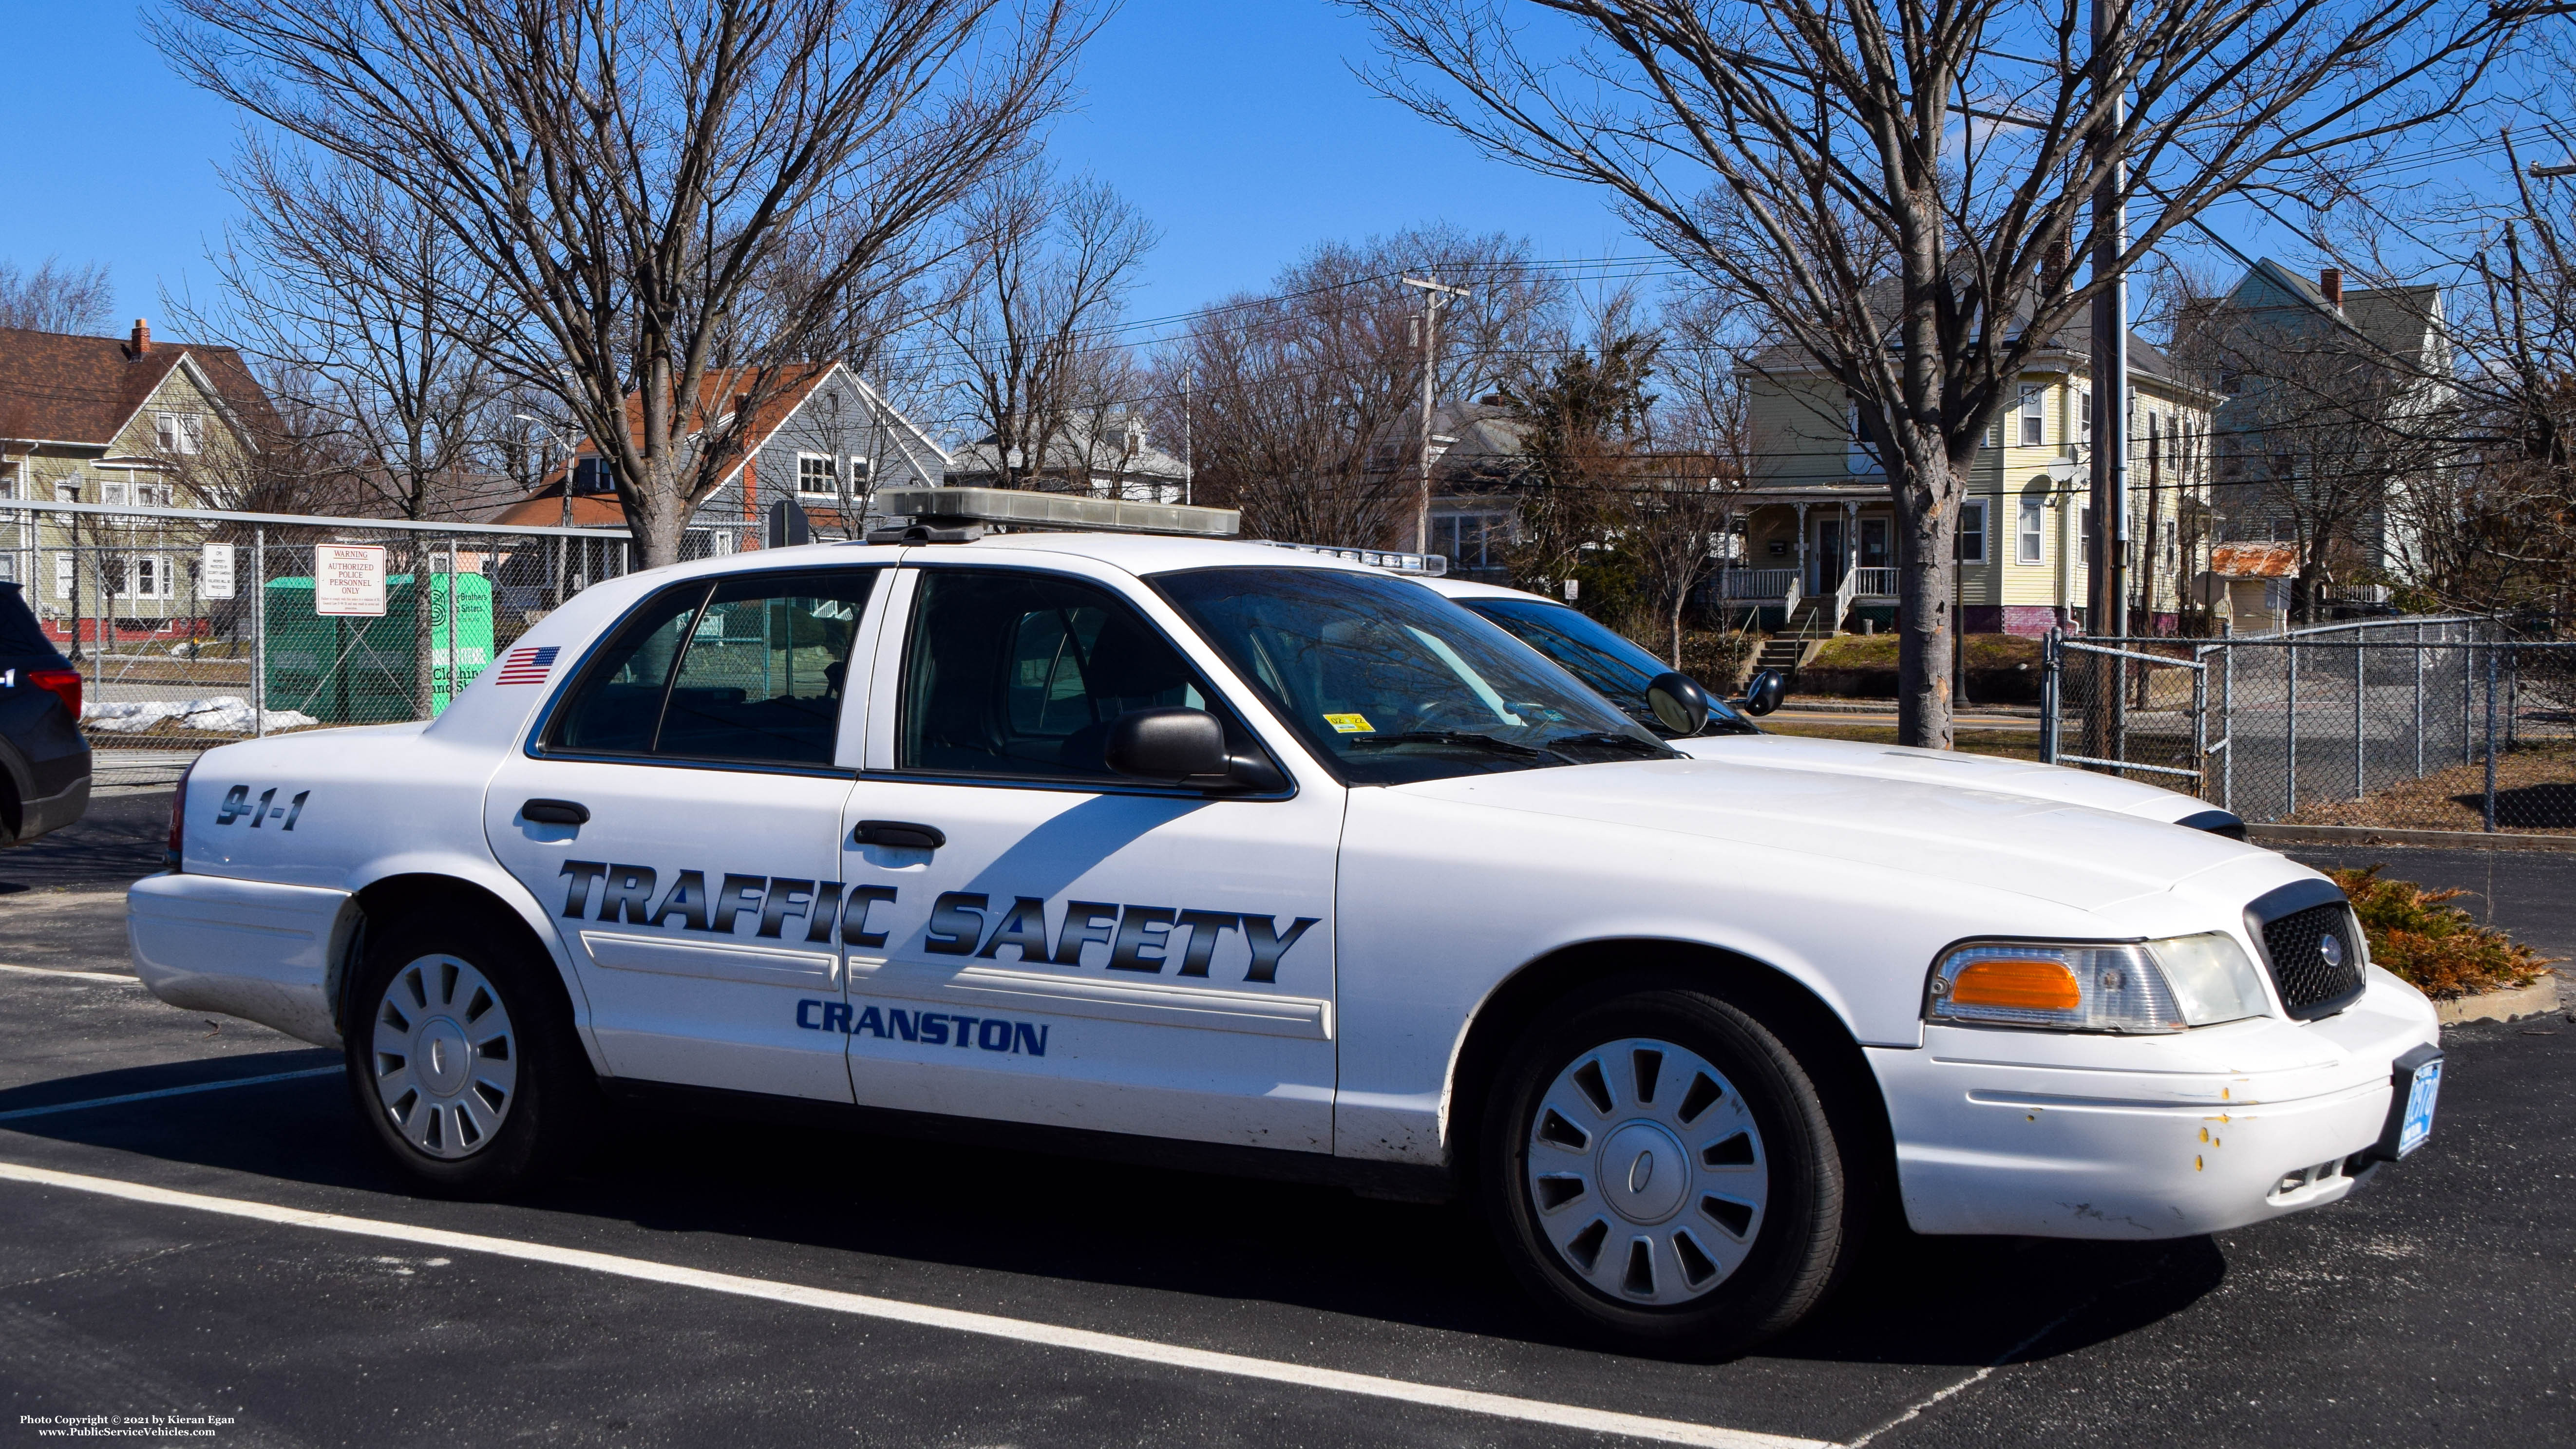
[
  {"x": 2540, "y": 998},
  {"x": 2373, "y": 835}
]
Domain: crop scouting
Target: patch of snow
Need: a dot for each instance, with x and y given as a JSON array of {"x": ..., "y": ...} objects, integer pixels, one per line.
[{"x": 226, "y": 714}]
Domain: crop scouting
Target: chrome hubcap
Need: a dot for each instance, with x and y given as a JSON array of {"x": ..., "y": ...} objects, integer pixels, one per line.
[
  {"x": 1647, "y": 1172},
  {"x": 446, "y": 1060}
]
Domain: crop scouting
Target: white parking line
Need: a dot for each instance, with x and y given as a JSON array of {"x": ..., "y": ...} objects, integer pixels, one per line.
[
  {"x": 1045, "y": 1335},
  {"x": 109, "y": 977},
  {"x": 166, "y": 1092}
]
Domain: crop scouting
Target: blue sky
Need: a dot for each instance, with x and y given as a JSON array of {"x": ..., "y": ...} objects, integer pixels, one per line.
[{"x": 1235, "y": 124}]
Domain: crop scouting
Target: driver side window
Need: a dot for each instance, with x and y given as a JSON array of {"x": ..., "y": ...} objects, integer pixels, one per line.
[{"x": 1014, "y": 673}]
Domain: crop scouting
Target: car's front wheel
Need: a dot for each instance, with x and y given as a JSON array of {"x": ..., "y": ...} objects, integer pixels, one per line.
[
  {"x": 1661, "y": 1169},
  {"x": 461, "y": 1059}
]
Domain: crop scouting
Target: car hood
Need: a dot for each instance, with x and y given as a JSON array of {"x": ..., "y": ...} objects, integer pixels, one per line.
[
  {"x": 2074, "y": 855},
  {"x": 1951, "y": 767}
]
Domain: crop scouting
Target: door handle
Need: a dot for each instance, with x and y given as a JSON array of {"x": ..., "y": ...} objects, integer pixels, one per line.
[
  {"x": 899, "y": 834},
  {"x": 555, "y": 812}
]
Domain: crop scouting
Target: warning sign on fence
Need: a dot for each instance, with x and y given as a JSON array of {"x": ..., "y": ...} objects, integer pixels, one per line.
[
  {"x": 349, "y": 579},
  {"x": 215, "y": 572}
]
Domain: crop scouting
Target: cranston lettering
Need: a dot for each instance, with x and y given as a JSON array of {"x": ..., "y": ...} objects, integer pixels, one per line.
[
  {"x": 930, "y": 1028},
  {"x": 1129, "y": 937}
]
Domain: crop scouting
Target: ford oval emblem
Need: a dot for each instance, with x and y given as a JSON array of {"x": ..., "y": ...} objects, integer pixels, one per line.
[{"x": 2332, "y": 949}]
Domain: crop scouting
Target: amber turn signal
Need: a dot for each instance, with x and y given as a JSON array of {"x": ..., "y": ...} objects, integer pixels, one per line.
[{"x": 2023, "y": 984}]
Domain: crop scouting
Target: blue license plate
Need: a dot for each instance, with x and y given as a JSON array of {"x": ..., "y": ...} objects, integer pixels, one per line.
[{"x": 2420, "y": 1096}]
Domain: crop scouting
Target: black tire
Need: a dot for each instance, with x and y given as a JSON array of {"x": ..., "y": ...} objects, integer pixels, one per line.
[
  {"x": 482, "y": 1141},
  {"x": 1771, "y": 1267}
]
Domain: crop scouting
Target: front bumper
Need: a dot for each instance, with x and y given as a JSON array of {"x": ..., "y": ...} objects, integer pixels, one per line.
[{"x": 2065, "y": 1136}]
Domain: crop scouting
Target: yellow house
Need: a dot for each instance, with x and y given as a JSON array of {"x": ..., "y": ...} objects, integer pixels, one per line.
[
  {"x": 1819, "y": 542},
  {"x": 114, "y": 421}
]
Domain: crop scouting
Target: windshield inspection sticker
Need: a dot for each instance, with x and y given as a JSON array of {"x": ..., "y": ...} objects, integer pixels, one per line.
[{"x": 1351, "y": 724}]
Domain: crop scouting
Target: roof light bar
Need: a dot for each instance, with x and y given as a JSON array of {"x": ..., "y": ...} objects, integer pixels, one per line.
[
  {"x": 943, "y": 509},
  {"x": 1377, "y": 558}
]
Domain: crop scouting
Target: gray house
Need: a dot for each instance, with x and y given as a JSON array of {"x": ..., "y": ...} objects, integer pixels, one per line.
[{"x": 2315, "y": 445}]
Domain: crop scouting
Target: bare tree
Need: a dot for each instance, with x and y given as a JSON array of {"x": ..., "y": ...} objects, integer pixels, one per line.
[
  {"x": 1686, "y": 505},
  {"x": 335, "y": 279},
  {"x": 1898, "y": 191},
  {"x": 2497, "y": 531},
  {"x": 1299, "y": 398},
  {"x": 1677, "y": 519},
  {"x": 626, "y": 179},
  {"x": 57, "y": 298},
  {"x": 1044, "y": 275},
  {"x": 339, "y": 283}
]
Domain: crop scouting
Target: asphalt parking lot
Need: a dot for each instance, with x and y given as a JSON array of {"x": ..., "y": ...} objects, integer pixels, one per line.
[{"x": 223, "y": 1243}]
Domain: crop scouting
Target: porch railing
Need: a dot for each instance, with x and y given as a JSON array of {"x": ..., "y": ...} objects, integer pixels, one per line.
[
  {"x": 1876, "y": 583},
  {"x": 1763, "y": 584}
]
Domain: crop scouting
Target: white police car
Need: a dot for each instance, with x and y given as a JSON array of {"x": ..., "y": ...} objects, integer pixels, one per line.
[
  {"x": 1627, "y": 675},
  {"x": 1241, "y": 856}
]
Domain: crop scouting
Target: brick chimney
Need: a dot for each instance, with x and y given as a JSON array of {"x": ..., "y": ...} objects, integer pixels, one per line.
[
  {"x": 142, "y": 337},
  {"x": 2330, "y": 282}
]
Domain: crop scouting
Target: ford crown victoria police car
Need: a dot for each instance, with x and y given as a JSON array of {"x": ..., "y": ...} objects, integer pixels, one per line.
[
  {"x": 1151, "y": 844},
  {"x": 1622, "y": 673}
]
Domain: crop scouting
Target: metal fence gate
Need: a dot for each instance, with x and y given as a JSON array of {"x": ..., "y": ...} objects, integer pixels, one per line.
[
  {"x": 2416, "y": 724},
  {"x": 195, "y": 627}
]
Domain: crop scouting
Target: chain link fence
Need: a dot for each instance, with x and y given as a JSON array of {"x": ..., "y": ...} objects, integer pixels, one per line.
[
  {"x": 2393, "y": 724},
  {"x": 193, "y": 628}
]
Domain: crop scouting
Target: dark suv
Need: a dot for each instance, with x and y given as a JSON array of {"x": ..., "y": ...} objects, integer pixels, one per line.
[{"x": 44, "y": 761}]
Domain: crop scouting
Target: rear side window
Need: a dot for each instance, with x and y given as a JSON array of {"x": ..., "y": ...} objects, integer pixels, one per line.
[
  {"x": 1020, "y": 674},
  {"x": 750, "y": 668}
]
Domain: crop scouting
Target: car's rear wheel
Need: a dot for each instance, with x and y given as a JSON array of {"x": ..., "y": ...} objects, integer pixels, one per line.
[
  {"x": 461, "y": 1058},
  {"x": 1661, "y": 1170}
]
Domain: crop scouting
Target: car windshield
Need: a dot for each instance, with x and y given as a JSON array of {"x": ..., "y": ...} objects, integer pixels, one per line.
[
  {"x": 1600, "y": 657},
  {"x": 1391, "y": 682}
]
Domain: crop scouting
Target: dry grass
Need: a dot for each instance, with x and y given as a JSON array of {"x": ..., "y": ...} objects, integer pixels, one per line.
[
  {"x": 1878, "y": 651},
  {"x": 2535, "y": 795}
]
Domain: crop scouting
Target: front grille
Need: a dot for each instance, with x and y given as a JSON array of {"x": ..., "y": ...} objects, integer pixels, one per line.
[{"x": 2311, "y": 985}]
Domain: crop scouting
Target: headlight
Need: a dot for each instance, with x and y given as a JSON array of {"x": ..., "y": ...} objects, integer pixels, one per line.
[
  {"x": 2212, "y": 978},
  {"x": 2155, "y": 986}
]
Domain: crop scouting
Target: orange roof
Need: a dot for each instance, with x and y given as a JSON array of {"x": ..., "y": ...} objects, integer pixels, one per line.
[
  {"x": 2254, "y": 561},
  {"x": 544, "y": 509}
]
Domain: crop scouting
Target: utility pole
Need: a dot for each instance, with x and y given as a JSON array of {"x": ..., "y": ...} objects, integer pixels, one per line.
[
  {"x": 2107, "y": 601},
  {"x": 1435, "y": 295},
  {"x": 1189, "y": 456}
]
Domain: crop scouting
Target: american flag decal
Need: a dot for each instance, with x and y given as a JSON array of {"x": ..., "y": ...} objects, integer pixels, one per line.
[{"x": 527, "y": 666}]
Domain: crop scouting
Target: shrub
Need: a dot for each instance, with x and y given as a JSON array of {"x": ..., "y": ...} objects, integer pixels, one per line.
[{"x": 2418, "y": 935}]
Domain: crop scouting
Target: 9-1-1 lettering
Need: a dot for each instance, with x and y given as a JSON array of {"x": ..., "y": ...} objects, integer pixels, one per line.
[{"x": 238, "y": 805}]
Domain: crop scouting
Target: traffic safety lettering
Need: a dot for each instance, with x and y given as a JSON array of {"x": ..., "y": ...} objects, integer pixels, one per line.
[
  {"x": 930, "y": 1028},
  {"x": 1120, "y": 937}
]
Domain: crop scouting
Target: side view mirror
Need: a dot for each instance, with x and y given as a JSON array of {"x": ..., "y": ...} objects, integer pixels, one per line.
[
  {"x": 1763, "y": 692},
  {"x": 1184, "y": 746},
  {"x": 1678, "y": 702}
]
